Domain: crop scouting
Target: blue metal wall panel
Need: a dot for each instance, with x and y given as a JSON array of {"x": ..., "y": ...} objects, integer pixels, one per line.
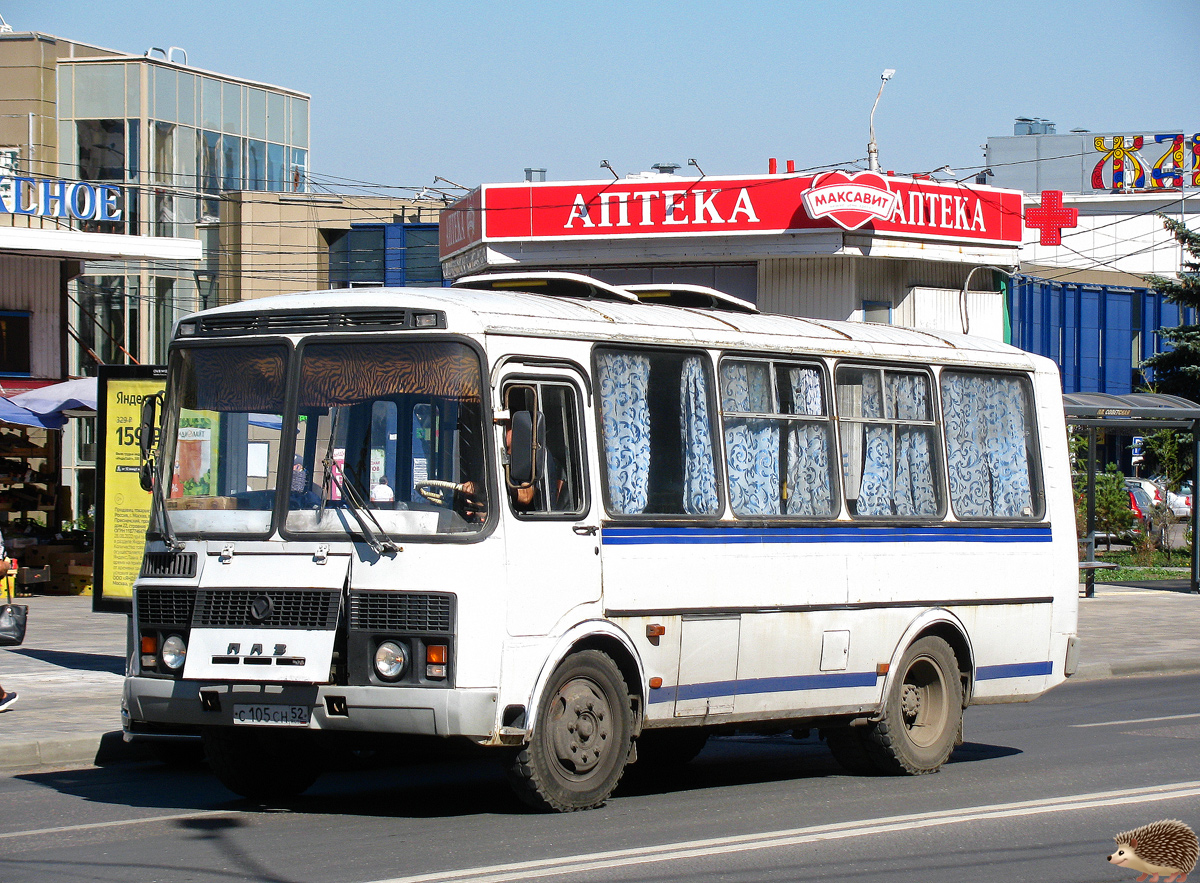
[
  {"x": 1118, "y": 341},
  {"x": 393, "y": 251},
  {"x": 1089, "y": 332}
]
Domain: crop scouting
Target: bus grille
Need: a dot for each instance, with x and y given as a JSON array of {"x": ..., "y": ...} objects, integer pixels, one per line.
[
  {"x": 169, "y": 565},
  {"x": 401, "y": 612},
  {"x": 165, "y": 607},
  {"x": 290, "y": 608}
]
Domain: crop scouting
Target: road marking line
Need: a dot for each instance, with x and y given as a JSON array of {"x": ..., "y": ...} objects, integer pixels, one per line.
[
  {"x": 1140, "y": 720},
  {"x": 116, "y": 823},
  {"x": 598, "y": 861}
]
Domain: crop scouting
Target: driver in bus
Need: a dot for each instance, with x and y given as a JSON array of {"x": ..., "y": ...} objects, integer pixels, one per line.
[{"x": 527, "y": 496}]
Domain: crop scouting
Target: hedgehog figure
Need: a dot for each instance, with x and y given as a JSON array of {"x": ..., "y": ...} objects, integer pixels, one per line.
[{"x": 1168, "y": 849}]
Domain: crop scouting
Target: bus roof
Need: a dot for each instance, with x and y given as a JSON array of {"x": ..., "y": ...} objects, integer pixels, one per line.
[{"x": 530, "y": 314}]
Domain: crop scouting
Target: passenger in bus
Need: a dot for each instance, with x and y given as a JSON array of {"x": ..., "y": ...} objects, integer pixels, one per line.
[{"x": 382, "y": 493}]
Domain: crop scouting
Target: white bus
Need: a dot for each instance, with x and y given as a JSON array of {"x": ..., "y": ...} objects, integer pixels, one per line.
[{"x": 582, "y": 523}]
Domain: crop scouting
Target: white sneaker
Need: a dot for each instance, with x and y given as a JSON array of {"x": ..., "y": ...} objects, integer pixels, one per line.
[{"x": 7, "y": 701}]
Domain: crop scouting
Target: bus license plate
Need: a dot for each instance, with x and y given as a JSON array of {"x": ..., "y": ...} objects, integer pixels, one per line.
[{"x": 271, "y": 715}]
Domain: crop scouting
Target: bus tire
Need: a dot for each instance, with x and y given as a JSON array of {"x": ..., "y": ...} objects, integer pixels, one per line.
[
  {"x": 581, "y": 739},
  {"x": 922, "y": 712},
  {"x": 262, "y": 766},
  {"x": 670, "y": 748},
  {"x": 851, "y": 749}
]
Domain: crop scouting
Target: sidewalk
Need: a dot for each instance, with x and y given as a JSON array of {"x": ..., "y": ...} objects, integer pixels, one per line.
[{"x": 70, "y": 668}]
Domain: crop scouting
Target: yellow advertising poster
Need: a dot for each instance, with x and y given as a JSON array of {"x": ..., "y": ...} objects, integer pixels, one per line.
[{"x": 122, "y": 507}]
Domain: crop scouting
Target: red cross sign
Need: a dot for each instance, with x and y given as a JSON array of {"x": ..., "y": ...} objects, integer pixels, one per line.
[{"x": 1051, "y": 217}]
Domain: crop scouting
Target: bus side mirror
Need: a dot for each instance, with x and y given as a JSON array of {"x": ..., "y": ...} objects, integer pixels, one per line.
[
  {"x": 146, "y": 447},
  {"x": 521, "y": 450}
]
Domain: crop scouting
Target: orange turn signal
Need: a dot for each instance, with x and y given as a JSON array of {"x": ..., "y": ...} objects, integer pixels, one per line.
[
  {"x": 655, "y": 683},
  {"x": 655, "y": 631},
  {"x": 149, "y": 644},
  {"x": 435, "y": 654}
]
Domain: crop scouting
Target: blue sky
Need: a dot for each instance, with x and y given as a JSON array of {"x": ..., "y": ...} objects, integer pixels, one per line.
[{"x": 475, "y": 92}]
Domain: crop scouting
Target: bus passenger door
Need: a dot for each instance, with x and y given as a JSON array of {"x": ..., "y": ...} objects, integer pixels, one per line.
[{"x": 551, "y": 523}]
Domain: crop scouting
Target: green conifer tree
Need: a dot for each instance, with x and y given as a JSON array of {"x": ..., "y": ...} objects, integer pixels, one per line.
[{"x": 1177, "y": 370}]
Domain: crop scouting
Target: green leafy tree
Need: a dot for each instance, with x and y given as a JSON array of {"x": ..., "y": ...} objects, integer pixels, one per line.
[
  {"x": 1177, "y": 370},
  {"x": 1113, "y": 515}
]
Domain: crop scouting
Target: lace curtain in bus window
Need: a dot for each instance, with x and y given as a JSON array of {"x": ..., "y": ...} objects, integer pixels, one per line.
[
  {"x": 915, "y": 492},
  {"x": 875, "y": 490},
  {"x": 751, "y": 444},
  {"x": 623, "y": 380},
  {"x": 987, "y": 456},
  {"x": 810, "y": 489},
  {"x": 699, "y": 475}
]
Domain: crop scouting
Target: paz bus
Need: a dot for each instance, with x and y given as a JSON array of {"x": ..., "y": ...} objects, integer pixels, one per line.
[{"x": 617, "y": 520}]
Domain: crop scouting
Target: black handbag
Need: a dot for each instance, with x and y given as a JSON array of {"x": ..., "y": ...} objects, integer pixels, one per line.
[{"x": 12, "y": 624}]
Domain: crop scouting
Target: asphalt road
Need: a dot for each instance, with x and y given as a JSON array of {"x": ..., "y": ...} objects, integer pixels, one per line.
[{"x": 1036, "y": 793}]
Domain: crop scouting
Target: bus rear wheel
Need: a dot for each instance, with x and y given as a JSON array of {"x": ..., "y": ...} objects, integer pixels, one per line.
[
  {"x": 581, "y": 737},
  {"x": 922, "y": 712},
  {"x": 262, "y": 765}
]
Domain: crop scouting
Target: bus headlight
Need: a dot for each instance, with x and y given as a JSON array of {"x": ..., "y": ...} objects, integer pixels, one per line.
[
  {"x": 174, "y": 652},
  {"x": 391, "y": 660}
]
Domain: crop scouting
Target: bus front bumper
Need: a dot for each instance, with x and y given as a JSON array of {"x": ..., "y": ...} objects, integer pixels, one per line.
[{"x": 405, "y": 710}]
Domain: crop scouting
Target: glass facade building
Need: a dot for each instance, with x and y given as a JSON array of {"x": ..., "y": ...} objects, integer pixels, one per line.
[{"x": 176, "y": 140}]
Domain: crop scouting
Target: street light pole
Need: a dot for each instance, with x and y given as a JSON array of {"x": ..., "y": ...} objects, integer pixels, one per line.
[{"x": 872, "y": 147}]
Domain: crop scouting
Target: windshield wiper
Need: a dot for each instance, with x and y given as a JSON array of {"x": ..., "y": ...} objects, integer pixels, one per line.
[
  {"x": 327, "y": 463},
  {"x": 357, "y": 507},
  {"x": 351, "y": 495},
  {"x": 159, "y": 504}
]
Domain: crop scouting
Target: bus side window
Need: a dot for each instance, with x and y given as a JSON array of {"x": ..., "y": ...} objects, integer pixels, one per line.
[
  {"x": 657, "y": 432},
  {"x": 543, "y": 454},
  {"x": 889, "y": 440},
  {"x": 991, "y": 447}
]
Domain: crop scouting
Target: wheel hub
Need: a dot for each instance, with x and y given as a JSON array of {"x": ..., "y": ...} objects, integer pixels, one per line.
[
  {"x": 910, "y": 702},
  {"x": 582, "y": 727}
]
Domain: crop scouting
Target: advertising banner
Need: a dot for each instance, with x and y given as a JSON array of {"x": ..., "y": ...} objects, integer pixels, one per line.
[
  {"x": 669, "y": 206},
  {"x": 122, "y": 507}
]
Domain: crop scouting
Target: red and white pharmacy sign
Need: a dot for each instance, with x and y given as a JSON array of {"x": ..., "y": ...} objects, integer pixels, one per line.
[{"x": 669, "y": 206}]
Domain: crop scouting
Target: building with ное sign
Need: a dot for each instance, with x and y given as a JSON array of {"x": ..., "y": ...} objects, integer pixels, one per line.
[
  {"x": 123, "y": 162},
  {"x": 1085, "y": 303},
  {"x": 858, "y": 246}
]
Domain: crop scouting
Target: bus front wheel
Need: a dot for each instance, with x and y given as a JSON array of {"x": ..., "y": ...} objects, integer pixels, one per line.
[
  {"x": 922, "y": 712},
  {"x": 262, "y": 764},
  {"x": 581, "y": 738}
]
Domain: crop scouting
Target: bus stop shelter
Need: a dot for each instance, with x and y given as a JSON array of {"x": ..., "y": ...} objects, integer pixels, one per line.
[{"x": 1132, "y": 414}]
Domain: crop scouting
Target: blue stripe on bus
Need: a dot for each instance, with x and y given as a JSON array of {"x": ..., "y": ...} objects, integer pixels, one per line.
[
  {"x": 1013, "y": 670},
  {"x": 794, "y": 683},
  {"x": 764, "y": 685},
  {"x": 724, "y": 534}
]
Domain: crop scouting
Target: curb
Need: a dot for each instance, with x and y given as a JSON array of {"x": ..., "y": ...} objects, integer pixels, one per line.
[
  {"x": 68, "y": 752},
  {"x": 1097, "y": 671}
]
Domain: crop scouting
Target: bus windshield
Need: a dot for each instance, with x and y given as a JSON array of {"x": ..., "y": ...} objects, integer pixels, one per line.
[
  {"x": 222, "y": 438},
  {"x": 389, "y": 438}
]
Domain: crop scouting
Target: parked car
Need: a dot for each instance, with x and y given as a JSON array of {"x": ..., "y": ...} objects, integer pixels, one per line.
[
  {"x": 1142, "y": 505},
  {"x": 1156, "y": 491}
]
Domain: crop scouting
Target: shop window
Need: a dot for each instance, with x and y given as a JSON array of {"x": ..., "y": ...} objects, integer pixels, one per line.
[
  {"x": 14, "y": 343},
  {"x": 420, "y": 260},
  {"x": 357, "y": 258},
  {"x": 101, "y": 145}
]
